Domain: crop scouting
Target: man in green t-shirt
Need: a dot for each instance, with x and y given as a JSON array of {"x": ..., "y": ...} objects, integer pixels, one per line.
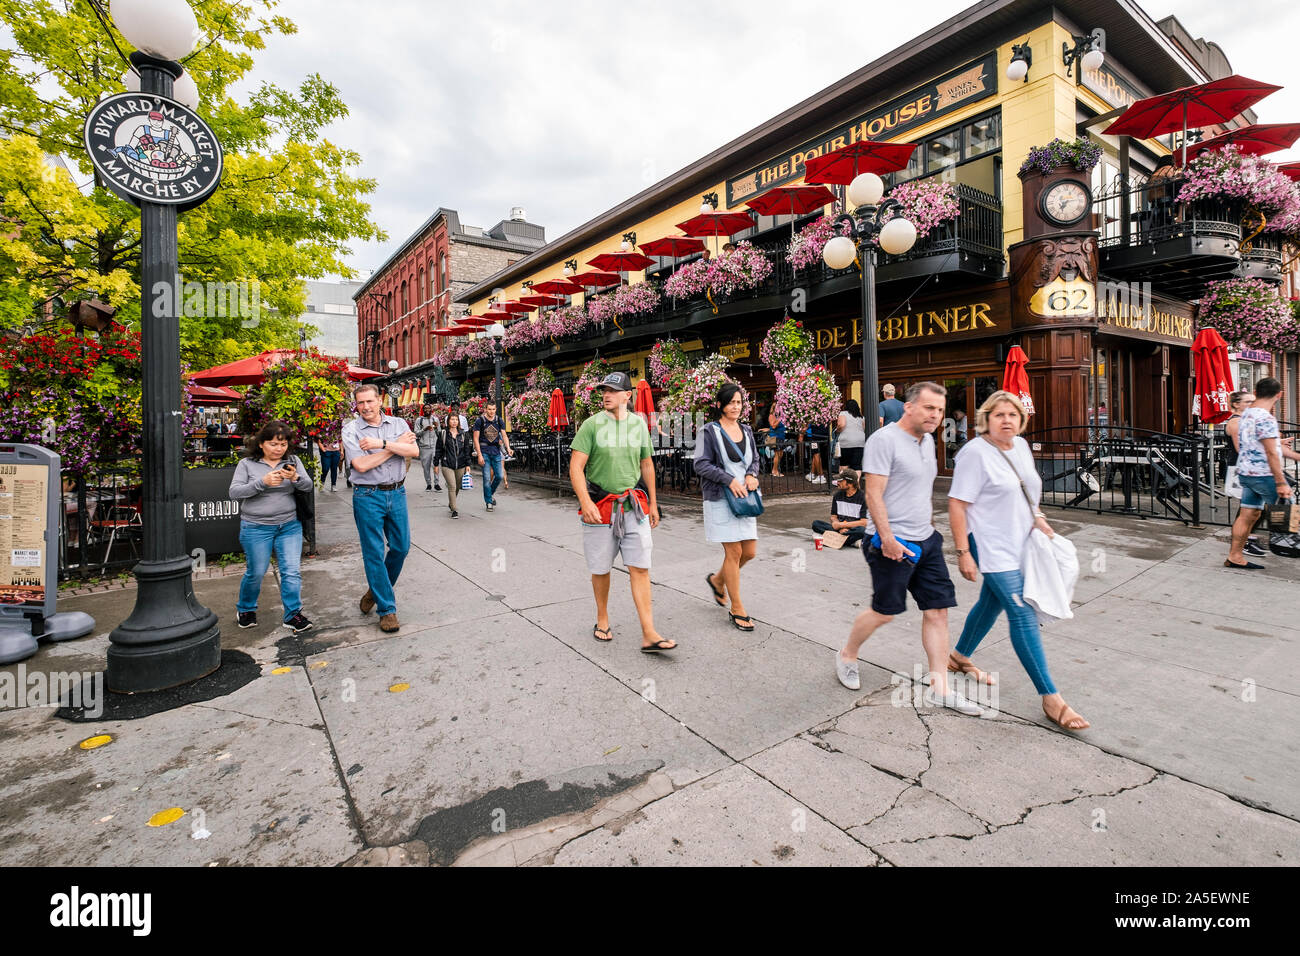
[{"x": 613, "y": 476}]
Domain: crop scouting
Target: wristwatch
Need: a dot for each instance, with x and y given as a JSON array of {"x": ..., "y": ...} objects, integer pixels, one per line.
[
  {"x": 385, "y": 443},
  {"x": 961, "y": 552}
]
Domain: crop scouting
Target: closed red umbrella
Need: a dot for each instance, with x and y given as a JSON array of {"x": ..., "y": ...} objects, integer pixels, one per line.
[
  {"x": 557, "y": 418},
  {"x": 844, "y": 165},
  {"x": 1213, "y": 377},
  {"x": 1015, "y": 379},
  {"x": 1189, "y": 107},
  {"x": 621, "y": 261},
  {"x": 1256, "y": 140},
  {"x": 644, "y": 403}
]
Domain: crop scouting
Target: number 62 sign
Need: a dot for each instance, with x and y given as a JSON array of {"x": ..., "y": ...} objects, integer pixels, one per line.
[{"x": 1076, "y": 298}]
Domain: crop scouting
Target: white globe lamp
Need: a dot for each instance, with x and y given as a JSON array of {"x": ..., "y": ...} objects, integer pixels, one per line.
[
  {"x": 897, "y": 236},
  {"x": 866, "y": 190},
  {"x": 392, "y": 365},
  {"x": 839, "y": 252},
  {"x": 165, "y": 29},
  {"x": 496, "y": 330},
  {"x": 1017, "y": 71},
  {"x": 1092, "y": 60}
]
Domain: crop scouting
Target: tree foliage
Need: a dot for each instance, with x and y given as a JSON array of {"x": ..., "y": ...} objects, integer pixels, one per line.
[{"x": 288, "y": 205}]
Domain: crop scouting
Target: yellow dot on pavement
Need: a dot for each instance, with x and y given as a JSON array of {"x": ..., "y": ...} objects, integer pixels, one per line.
[
  {"x": 164, "y": 817},
  {"x": 90, "y": 743},
  {"x": 282, "y": 670},
  {"x": 319, "y": 664},
  {"x": 398, "y": 688}
]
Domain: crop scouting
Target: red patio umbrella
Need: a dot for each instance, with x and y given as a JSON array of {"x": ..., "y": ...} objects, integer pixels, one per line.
[
  {"x": 1188, "y": 107},
  {"x": 540, "y": 300},
  {"x": 1015, "y": 379},
  {"x": 791, "y": 201},
  {"x": 672, "y": 246},
  {"x": 481, "y": 321},
  {"x": 1213, "y": 377},
  {"x": 845, "y": 164},
  {"x": 514, "y": 308},
  {"x": 621, "y": 261},
  {"x": 1291, "y": 169},
  {"x": 644, "y": 403},
  {"x": 557, "y": 287},
  {"x": 597, "y": 280},
  {"x": 251, "y": 371},
  {"x": 1255, "y": 140},
  {"x": 717, "y": 224},
  {"x": 208, "y": 395},
  {"x": 557, "y": 418},
  {"x": 446, "y": 332}
]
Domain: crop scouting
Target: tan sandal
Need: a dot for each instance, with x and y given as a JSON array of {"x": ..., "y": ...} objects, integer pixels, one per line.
[
  {"x": 1065, "y": 717},
  {"x": 956, "y": 666}
]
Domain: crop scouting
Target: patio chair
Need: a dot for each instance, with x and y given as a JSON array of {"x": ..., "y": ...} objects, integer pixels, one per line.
[{"x": 124, "y": 520}]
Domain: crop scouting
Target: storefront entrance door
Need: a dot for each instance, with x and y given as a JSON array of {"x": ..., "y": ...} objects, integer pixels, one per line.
[{"x": 966, "y": 393}]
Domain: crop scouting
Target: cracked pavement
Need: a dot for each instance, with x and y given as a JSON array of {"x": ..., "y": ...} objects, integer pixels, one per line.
[{"x": 493, "y": 730}]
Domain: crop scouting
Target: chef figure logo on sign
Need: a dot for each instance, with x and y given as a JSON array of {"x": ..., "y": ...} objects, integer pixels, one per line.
[{"x": 155, "y": 148}]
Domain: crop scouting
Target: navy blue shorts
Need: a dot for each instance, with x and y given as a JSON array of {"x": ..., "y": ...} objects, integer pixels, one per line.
[{"x": 928, "y": 579}]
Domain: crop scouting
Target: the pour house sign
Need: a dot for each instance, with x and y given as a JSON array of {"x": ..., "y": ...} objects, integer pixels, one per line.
[
  {"x": 966, "y": 84},
  {"x": 152, "y": 149}
]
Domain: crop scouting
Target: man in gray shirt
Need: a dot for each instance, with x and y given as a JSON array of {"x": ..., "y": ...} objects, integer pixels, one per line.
[
  {"x": 899, "y": 467},
  {"x": 376, "y": 447},
  {"x": 426, "y": 435}
]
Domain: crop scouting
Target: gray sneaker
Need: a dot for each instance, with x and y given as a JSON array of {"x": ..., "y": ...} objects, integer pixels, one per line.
[
  {"x": 954, "y": 700},
  {"x": 847, "y": 673}
]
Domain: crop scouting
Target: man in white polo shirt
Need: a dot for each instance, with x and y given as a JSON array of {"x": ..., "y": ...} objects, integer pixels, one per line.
[{"x": 898, "y": 468}]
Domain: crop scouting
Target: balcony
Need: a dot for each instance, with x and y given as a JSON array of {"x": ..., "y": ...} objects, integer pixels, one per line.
[
  {"x": 1261, "y": 258},
  {"x": 969, "y": 248},
  {"x": 1148, "y": 236}
]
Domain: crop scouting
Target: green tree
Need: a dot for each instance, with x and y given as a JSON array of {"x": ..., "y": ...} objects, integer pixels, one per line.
[{"x": 288, "y": 205}]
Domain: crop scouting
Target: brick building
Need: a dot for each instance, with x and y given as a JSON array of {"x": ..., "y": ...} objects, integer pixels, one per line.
[{"x": 411, "y": 293}]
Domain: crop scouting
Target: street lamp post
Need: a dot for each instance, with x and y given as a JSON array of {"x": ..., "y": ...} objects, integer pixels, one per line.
[
  {"x": 169, "y": 638},
  {"x": 497, "y": 330},
  {"x": 896, "y": 236}
]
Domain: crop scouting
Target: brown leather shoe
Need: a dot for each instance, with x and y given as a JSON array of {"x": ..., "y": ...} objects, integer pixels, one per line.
[
  {"x": 388, "y": 623},
  {"x": 367, "y": 602}
]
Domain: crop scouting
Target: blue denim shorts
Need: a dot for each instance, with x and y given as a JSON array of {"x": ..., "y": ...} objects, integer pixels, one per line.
[{"x": 1258, "y": 491}]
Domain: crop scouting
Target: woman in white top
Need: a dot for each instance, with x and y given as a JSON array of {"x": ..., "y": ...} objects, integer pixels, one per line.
[
  {"x": 851, "y": 433},
  {"x": 987, "y": 504}
]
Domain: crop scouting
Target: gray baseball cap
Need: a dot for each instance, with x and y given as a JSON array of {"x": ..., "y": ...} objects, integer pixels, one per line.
[{"x": 618, "y": 381}]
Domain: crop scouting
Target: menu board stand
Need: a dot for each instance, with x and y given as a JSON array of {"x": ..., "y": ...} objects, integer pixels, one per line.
[{"x": 30, "y": 497}]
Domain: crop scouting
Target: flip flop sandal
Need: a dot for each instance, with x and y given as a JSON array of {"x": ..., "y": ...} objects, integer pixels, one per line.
[
  {"x": 737, "y": 618},
  {"x": 1063, "y": 718},
  {"x": 596, "y": 631},
  {"x": 719, "y": 598},
  {"x": 657, "y": 646},
  {"x": 968, "y": 667}
]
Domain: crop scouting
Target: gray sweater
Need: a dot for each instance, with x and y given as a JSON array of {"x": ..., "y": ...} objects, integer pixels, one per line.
[{"x": 263, "y": 504}]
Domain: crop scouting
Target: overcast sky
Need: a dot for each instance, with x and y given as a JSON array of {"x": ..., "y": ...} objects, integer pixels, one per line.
[{"x": 567, "y": 109}]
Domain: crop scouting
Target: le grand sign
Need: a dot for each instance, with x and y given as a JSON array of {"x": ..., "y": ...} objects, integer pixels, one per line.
[{"x": 966, "y": 84}]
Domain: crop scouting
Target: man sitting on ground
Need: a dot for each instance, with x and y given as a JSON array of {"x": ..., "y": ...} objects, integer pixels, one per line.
[{"x": 848, "y": 509}]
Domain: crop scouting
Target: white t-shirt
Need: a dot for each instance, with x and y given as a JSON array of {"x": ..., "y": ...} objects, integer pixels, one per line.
[{"x": 998, "y": 515}]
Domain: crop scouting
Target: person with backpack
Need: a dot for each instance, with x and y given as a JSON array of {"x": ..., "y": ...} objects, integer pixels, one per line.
[{"x": 726, "y": 460}]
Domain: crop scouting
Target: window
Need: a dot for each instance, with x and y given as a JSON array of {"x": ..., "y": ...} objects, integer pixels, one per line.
[
  {"x": 983, "y": 136},
  {"x": 406, "y": 348},
  {"x": 420, "y": 292},
  {"x": 943, "y": 151},
  {"x": 406, "y": 307},
  {"x": 442, "y": 272}
]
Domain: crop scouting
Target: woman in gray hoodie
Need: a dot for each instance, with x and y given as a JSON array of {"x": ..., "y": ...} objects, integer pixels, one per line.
[{"x": 264, "y": 483}]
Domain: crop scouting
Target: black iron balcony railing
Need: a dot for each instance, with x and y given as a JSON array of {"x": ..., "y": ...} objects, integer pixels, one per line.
[
  {"x": 977, "y": 231},
  {"x": 1129, "y": 213}
]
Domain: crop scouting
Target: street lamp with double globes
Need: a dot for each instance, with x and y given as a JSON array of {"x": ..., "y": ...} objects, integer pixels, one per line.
[
  {"x": 497, "y": 331},
  {"x": 895, "y": 235},
  {"x": 169, "y": 638}
]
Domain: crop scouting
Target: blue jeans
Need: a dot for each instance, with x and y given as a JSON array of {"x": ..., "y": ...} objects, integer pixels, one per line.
[
  {"x": 1005, "y": 591},
  {"x": 258, "y": 541},
  {"x": 329, "y": 467},
  {"x": 381, "y": 516},
  {"x": 490, "y": 463}
]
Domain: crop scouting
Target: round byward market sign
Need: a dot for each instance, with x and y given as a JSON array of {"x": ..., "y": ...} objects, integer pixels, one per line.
[{"x": 152, "y": 149}]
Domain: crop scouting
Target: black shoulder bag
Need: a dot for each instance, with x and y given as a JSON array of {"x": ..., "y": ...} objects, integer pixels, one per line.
[{"x": 304, "y": 502}]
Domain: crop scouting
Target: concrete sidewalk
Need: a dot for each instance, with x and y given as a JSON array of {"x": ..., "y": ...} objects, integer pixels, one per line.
[{"x": 492, "y": 729}]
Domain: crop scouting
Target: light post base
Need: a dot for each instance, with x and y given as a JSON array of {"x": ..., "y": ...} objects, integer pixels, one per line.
[{"x": 169, "y": 639}]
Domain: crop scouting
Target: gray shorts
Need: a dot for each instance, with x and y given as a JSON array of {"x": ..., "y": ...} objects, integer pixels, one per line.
[{"x": 600, "y": 547}]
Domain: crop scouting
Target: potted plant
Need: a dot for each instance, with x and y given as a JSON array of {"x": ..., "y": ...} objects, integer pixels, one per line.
[
  {"x": 807, "y": 395},
  {"x": 1080, "y": 155},
  {"x": 785, "y": 345},
  {"x": 667, "y": 362}
]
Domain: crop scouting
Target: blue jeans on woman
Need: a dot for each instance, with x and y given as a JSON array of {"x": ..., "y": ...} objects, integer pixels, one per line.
[
  {"x": 1005, "y": 591},
  {"x": 329, "y": 467},
  {"x": 258, "y": 541},
  {"x": 491, "y": 463}
]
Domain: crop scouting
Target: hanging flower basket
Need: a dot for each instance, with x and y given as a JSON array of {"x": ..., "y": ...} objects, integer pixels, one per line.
[
  {"x": 1248, "y": 313},
  {"x": 693, "y": 392},
  {"x": 926, "y": 203},
  {"x": 667, "y": 362},
  {"x": 1246, "y": 182},
  {"x": 807, "y": 395},
  {"x": 805, "y": 248},
  {"x": 743, "y": 268},
  {"x": 586, "y": 397},
  {"x": 689, "y": 281},
  {"x": 786, "y": 345}
]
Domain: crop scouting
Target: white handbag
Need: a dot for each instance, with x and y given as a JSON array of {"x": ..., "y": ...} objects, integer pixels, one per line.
[{"x": 1231, "y": 483}]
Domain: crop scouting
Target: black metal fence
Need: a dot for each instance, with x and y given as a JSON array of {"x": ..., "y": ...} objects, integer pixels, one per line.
[{"x": 1142, "y": 473}]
